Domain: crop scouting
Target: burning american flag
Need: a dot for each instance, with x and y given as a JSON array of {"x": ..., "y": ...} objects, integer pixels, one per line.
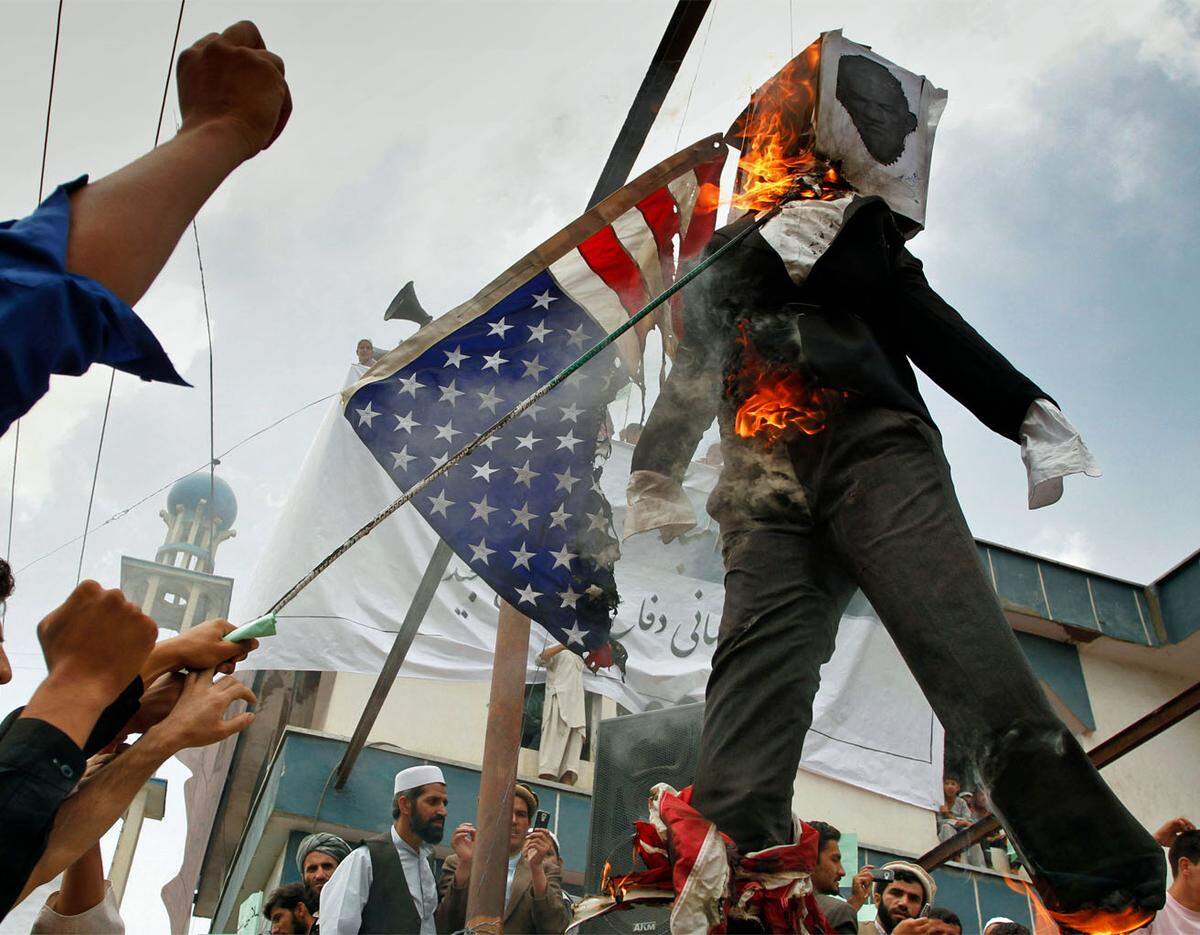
[{"x": 525, "y": 510}]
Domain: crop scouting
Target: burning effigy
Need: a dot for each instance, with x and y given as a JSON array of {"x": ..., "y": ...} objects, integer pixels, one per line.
[{"x": 798, "y": 341}]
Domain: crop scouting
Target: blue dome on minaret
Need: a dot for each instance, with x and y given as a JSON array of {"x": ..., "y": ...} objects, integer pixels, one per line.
[{"x": 189, "y": 491}]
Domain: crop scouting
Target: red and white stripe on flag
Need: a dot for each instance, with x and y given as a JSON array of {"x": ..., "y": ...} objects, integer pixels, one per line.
[{"x": 615, "y": 272}]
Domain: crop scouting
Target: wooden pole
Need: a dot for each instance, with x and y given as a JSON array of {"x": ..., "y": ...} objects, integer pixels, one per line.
[
  {"x": 1145, "y": 728},
  {"x": 493, "y": 817}
]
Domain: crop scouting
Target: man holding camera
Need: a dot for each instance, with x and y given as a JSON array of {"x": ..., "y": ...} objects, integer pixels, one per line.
[
  {"x": 903, "y": 897},
  {"x": 534, "y": 900}
]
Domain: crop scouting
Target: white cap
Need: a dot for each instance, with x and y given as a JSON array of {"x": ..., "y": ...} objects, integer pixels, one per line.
[
  {"x": 927, "y": 882},
  {"x": 416, "y": 776}
]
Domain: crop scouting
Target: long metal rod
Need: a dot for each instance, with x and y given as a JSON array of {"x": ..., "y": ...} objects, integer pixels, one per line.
[
  {"x": 1130, "y": 738},
  {"x": 438, "y": 563},
  {"x": 467, "y": 450},
  {"x": 664, "y": 66}
]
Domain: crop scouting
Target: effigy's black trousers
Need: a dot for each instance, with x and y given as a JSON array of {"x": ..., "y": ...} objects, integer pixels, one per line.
[{"x": 882, "y": 515}]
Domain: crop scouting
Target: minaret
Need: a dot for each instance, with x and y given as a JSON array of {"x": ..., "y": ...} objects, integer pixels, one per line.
[{"x": 178, "y": 589}]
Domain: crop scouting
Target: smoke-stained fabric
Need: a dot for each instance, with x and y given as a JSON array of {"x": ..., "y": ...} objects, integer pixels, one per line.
[
  {"x": 863, "y": 311},
  {"x": 539, "y": 531},
  {"x": 53, "y": 321},
  {"x": 867, "y": 501}
]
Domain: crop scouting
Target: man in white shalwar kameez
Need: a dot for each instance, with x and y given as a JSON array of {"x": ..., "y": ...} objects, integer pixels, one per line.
[{"x": 563, "y": 716}]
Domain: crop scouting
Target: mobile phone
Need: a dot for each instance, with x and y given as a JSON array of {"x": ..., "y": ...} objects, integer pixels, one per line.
[
  {"x": 883, "y": 876},
  {"x": 541, "y": 819}
]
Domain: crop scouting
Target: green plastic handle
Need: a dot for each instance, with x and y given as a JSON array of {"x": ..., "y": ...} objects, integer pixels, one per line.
[{"x": 263, "y": 626}]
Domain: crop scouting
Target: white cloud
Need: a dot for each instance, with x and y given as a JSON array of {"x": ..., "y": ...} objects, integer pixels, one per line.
[{"x": 1071, "y": 546}]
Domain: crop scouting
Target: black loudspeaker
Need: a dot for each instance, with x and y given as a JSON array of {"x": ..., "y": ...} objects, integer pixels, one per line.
[{"x": 633, "y": 753}]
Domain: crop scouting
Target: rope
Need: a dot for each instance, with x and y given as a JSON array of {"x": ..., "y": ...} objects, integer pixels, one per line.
[
  {"x": 521, "y": 407},
  {"x": 12, "y": 490},
  {"x": 112, "y": 377},
  {"x": 688, "y": 103}
]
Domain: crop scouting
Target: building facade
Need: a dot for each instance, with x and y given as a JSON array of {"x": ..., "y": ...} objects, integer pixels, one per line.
[{"x": 1106, "y": 652}]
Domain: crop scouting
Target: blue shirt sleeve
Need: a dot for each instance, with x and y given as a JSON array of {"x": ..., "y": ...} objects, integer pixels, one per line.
[{"x": 53, "y": 321}]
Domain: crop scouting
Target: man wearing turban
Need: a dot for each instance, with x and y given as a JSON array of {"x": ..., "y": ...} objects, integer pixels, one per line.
[{"x": 318, "y": 856}]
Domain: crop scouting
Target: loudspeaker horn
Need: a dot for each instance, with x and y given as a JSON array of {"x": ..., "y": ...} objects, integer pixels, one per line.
[{"x": 406, "y": 307}]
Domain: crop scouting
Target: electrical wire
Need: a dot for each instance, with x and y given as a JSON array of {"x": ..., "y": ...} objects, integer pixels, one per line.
[
  {"x": 112, "y": 377},
  {"x": 133, "y": 506},
  {"x": 712, "y": 15},
  {"x": 212, "y": 457},
  {"x": 12, "y": 490}
]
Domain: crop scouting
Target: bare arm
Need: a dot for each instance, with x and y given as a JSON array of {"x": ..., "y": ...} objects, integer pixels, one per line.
[
  {"x": 86, "y": 671},
  {"x": 83, "y": 885},
  {"x": 549, "y": 653},
  {"x": 201, "y": 647},
  {"x": 234, "y": 102},
  {"x": 196, "y": 721}
]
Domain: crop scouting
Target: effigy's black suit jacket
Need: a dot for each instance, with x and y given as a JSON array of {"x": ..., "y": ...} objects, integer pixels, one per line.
[{"x": 864, "y": 312}]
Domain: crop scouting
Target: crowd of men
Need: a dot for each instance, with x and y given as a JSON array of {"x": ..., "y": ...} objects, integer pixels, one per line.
[
  {"x": 67, "y": 770},
  {"x": 905, "y": 895},
  {"x": 387, "y": 883}
]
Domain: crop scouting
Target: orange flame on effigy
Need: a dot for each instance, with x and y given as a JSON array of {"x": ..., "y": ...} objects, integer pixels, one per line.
[
  {"x": 1090, "y": 921},
  {"x": 776, "y": 137},
  {"x": 776, "y": 399},
  {"x": 782, "y": 401}
]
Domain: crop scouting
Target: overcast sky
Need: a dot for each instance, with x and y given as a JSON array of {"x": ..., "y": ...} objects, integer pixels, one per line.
[{"x": 439, "y": 142}]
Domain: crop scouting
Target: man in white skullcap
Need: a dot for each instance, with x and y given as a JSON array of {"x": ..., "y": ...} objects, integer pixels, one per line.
[{"x": 387, "y": 884}]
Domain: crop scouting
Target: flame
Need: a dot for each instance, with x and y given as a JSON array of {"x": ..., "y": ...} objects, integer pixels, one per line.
[
  {"x": 1099, "y": 922},
  {"x": 1090, "y": 921},
  {"x": 782, "y": 401},
  {"x": 776, "y": 135},
  {"x": 775, "y": 398}
]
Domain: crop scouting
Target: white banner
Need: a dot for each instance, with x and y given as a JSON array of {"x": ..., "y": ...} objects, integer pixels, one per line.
[{"x": 872, "y": 726}]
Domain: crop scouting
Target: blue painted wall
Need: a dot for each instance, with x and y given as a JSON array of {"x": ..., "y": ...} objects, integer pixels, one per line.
[
  {"x": 1057, "y": 664},
  {"x": 1179, "y": 599}
]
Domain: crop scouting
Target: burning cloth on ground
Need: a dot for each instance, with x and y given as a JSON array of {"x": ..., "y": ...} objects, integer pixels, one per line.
[
  {"x": 799, "y": 343},
  {"x": 687, "y": 862}
]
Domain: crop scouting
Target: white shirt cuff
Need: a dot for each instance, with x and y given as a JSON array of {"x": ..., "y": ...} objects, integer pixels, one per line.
[
  {"x": 656, "y": 502},
  {"x": 1052, "y": 448}
]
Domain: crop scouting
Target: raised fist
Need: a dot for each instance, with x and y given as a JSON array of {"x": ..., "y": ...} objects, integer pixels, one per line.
[
  {"x": 96, "y": 641},
  {"x": 230, "y": 79}
]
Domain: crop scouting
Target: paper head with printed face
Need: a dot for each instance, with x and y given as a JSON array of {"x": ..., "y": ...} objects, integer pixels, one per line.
[{"x": 839, "y": 114}]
